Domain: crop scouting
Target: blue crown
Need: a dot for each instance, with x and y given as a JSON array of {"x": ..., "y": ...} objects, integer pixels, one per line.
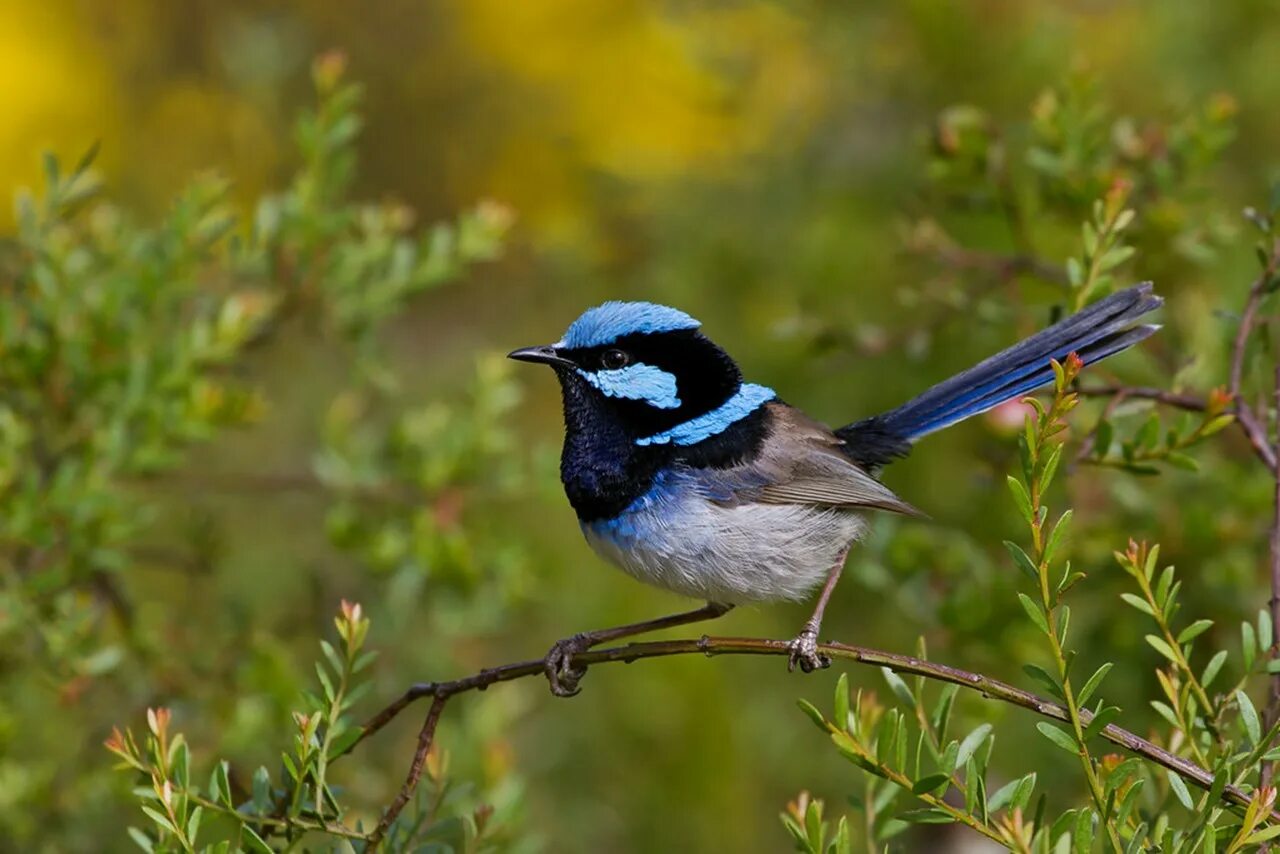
[{"x": 606, "y": 323}]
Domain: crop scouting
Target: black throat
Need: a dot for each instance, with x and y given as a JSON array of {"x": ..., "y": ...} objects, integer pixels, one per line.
[{"x": 604, "y": 471}]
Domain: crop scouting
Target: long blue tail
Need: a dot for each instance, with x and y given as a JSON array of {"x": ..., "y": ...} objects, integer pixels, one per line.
[{"x": 1098, "y": 331}]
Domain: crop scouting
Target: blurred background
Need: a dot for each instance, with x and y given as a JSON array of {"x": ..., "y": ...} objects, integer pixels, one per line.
[{"x": 771, "y": 168}]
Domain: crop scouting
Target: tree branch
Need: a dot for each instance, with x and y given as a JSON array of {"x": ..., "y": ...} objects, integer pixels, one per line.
[
  {"x": 1273, "y": 704},
  {"x": 1189, "y": 402},
  {"x": 1251, "y": 421},
  {"x": 994, "y": 689}
]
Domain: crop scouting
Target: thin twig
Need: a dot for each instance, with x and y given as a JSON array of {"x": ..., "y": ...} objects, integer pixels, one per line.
[
  {"x": 991, "y": 688},
  {"x": 1273, "y": 705},
  {"x": 425, "y": 737},
  {"x": 1189, "y": 402},
  {"x": 1251, "y": 421}
]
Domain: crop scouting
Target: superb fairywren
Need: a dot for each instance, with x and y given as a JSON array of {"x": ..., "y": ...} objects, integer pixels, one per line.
[{"x": 691, "y": 479}]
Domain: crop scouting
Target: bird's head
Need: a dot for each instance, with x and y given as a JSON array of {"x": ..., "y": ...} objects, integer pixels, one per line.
[{"x": 645, "y": 367}]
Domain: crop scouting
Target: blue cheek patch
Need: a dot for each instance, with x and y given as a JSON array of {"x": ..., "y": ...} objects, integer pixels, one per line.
[
  {"x": 606, "y": 323},
  {"x": 747, "y": 400},
  {"x": 654, "y": 386}
]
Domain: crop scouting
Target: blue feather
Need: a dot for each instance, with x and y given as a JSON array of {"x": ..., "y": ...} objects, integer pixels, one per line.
[
  {"x": 637, "y": 382},
  {"x": 1101, "y": 330},
  {"x": 745, "y": 401},
  {"x": 606, "y": 323}
]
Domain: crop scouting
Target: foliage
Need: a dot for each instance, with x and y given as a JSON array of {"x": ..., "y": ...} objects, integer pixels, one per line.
[
  {"x": 128, "y": 345},
  {"x": 224, "y": 410},
  {"x": 304, "y": 801}
]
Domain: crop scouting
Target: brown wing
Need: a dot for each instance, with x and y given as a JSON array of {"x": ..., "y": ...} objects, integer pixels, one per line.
[{"x": 801, "y": 463}]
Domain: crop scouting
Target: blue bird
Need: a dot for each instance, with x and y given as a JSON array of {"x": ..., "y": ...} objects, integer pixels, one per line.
[{"x": 689, "y": 478}]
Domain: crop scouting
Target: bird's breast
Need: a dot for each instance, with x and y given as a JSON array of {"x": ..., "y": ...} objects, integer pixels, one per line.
[{"x": 680, "y": 536}]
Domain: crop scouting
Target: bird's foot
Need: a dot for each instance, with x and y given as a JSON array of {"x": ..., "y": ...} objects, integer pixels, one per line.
[
  {"x": 562, "y": 673},
  {"x": 804, "y": 652}
]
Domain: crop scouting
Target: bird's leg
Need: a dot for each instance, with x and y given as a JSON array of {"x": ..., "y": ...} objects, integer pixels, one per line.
[
  {"x": 560, "y": 670},
  {"x": 804, "y": 647}
]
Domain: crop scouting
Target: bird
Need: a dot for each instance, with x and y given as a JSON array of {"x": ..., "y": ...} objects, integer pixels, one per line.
[{"x": 689, "y": 477}]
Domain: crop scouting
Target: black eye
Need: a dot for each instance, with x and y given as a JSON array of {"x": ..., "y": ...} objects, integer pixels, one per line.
[{"x": 614, "y": 359}]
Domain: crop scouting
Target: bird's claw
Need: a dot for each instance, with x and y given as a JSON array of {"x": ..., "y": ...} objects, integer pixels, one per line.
[
  {"x": 562, "y": 674},
  {"x": 804, "y": 652}
]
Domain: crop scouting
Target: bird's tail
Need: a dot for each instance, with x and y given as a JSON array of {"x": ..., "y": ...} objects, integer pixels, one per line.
[{"x": 1098, "y": 331}]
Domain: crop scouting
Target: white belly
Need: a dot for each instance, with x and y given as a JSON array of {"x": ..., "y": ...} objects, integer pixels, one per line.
[{"x": 681, "y": 541}]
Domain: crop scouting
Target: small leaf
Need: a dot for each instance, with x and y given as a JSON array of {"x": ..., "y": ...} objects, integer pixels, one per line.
[
  {"x": 254, "y": 841},
  {"x": 1092, "y": 685},
  {"x": 1023, "y": 560},
  {"x": 927, "y": 816},
  {"x": 261, "y": 789},
  {"x": 841, "y": 704},
  {"x": 143, "y": 841},
  {"x": 898, "y": 687},
  {"x": 814, "y": 715},
  {"x": 1058, "y": 736},
  {"x": 1055, "y": 536},
  {"x": 1194, "y": 630},
  {"x": 1033, "y": 611},
  {"x": 1211, "y": 669},
  {"x": 1179, "y": 790},
  {"x": 160, "y": 819},
  {"x": 1100, "y": 720},
  {"x": 1161, "y": 647},
  {"x": 1249, "y": 716},
  {"x": 1264, "y": 630},
  {"x": 971, "y": 743},
  {"x": 1248, "y": 644},
  {"x": 1139, "y": 603},
  {"x": 1043, "y": 676},
  {"x": 1021, "y": 498},
  {"x": 930, "y": 783}
]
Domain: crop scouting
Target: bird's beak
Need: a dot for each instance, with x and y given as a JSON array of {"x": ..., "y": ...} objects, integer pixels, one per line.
[{"x": 545, "y": 355}]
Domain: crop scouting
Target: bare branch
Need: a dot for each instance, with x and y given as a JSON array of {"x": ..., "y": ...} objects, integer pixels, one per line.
[
  {"x": 993, "y": 689},
  {"x": 1188, "y": 402}
]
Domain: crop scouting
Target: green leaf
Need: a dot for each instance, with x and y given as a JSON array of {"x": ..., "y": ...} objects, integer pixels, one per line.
[
  {"x": 1211, "y": 669},
  {"x": 1023, "y": 560},
  {"x": 841, "y": 704},
  {"x": 1267, "y": 833},
  {"x": 1100, "y": 720},
  {"x": 1043, "y": 676},
  {"x": 1179, "y": 790},
  {"x": 899, "y": 688},
  {"x": 1161, "y": 647},
  {"x": 253, "y": 842},
  {"x": 1021, "y": 498},
  {"x": 1051, "y": 461},
  {"x": 1082, "y": 835},
  {"x": 1265, "y": 633},
  {"x": 1058, "y": 736},
  {"x": 1055, "y": 536},
  {"x": 814, "y": 715},
  {"x": 1015, "y": 793},
  {"x": 1139, "y": 603},
  {"x": 927, "y": 816},
  {"x": 1163, "y": 586},
  {"x": 1165, "y": 712},
  {"x": 1248, "y": 644},
  {"x": 1092, "y": 684},
  {"x": 930, "y": 783},
  {"x": 971, "y": 743},
  {"x": 141, "y": 839},
  {"x": 261, "y": 789},
  {"x": 160, "y": 819},
  {"x": 941, "y": 716},
  {"x": 1194, "y": 630},
  {"x": 1033, "y": 611},
  {"x": 1249, "y": 716}
]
